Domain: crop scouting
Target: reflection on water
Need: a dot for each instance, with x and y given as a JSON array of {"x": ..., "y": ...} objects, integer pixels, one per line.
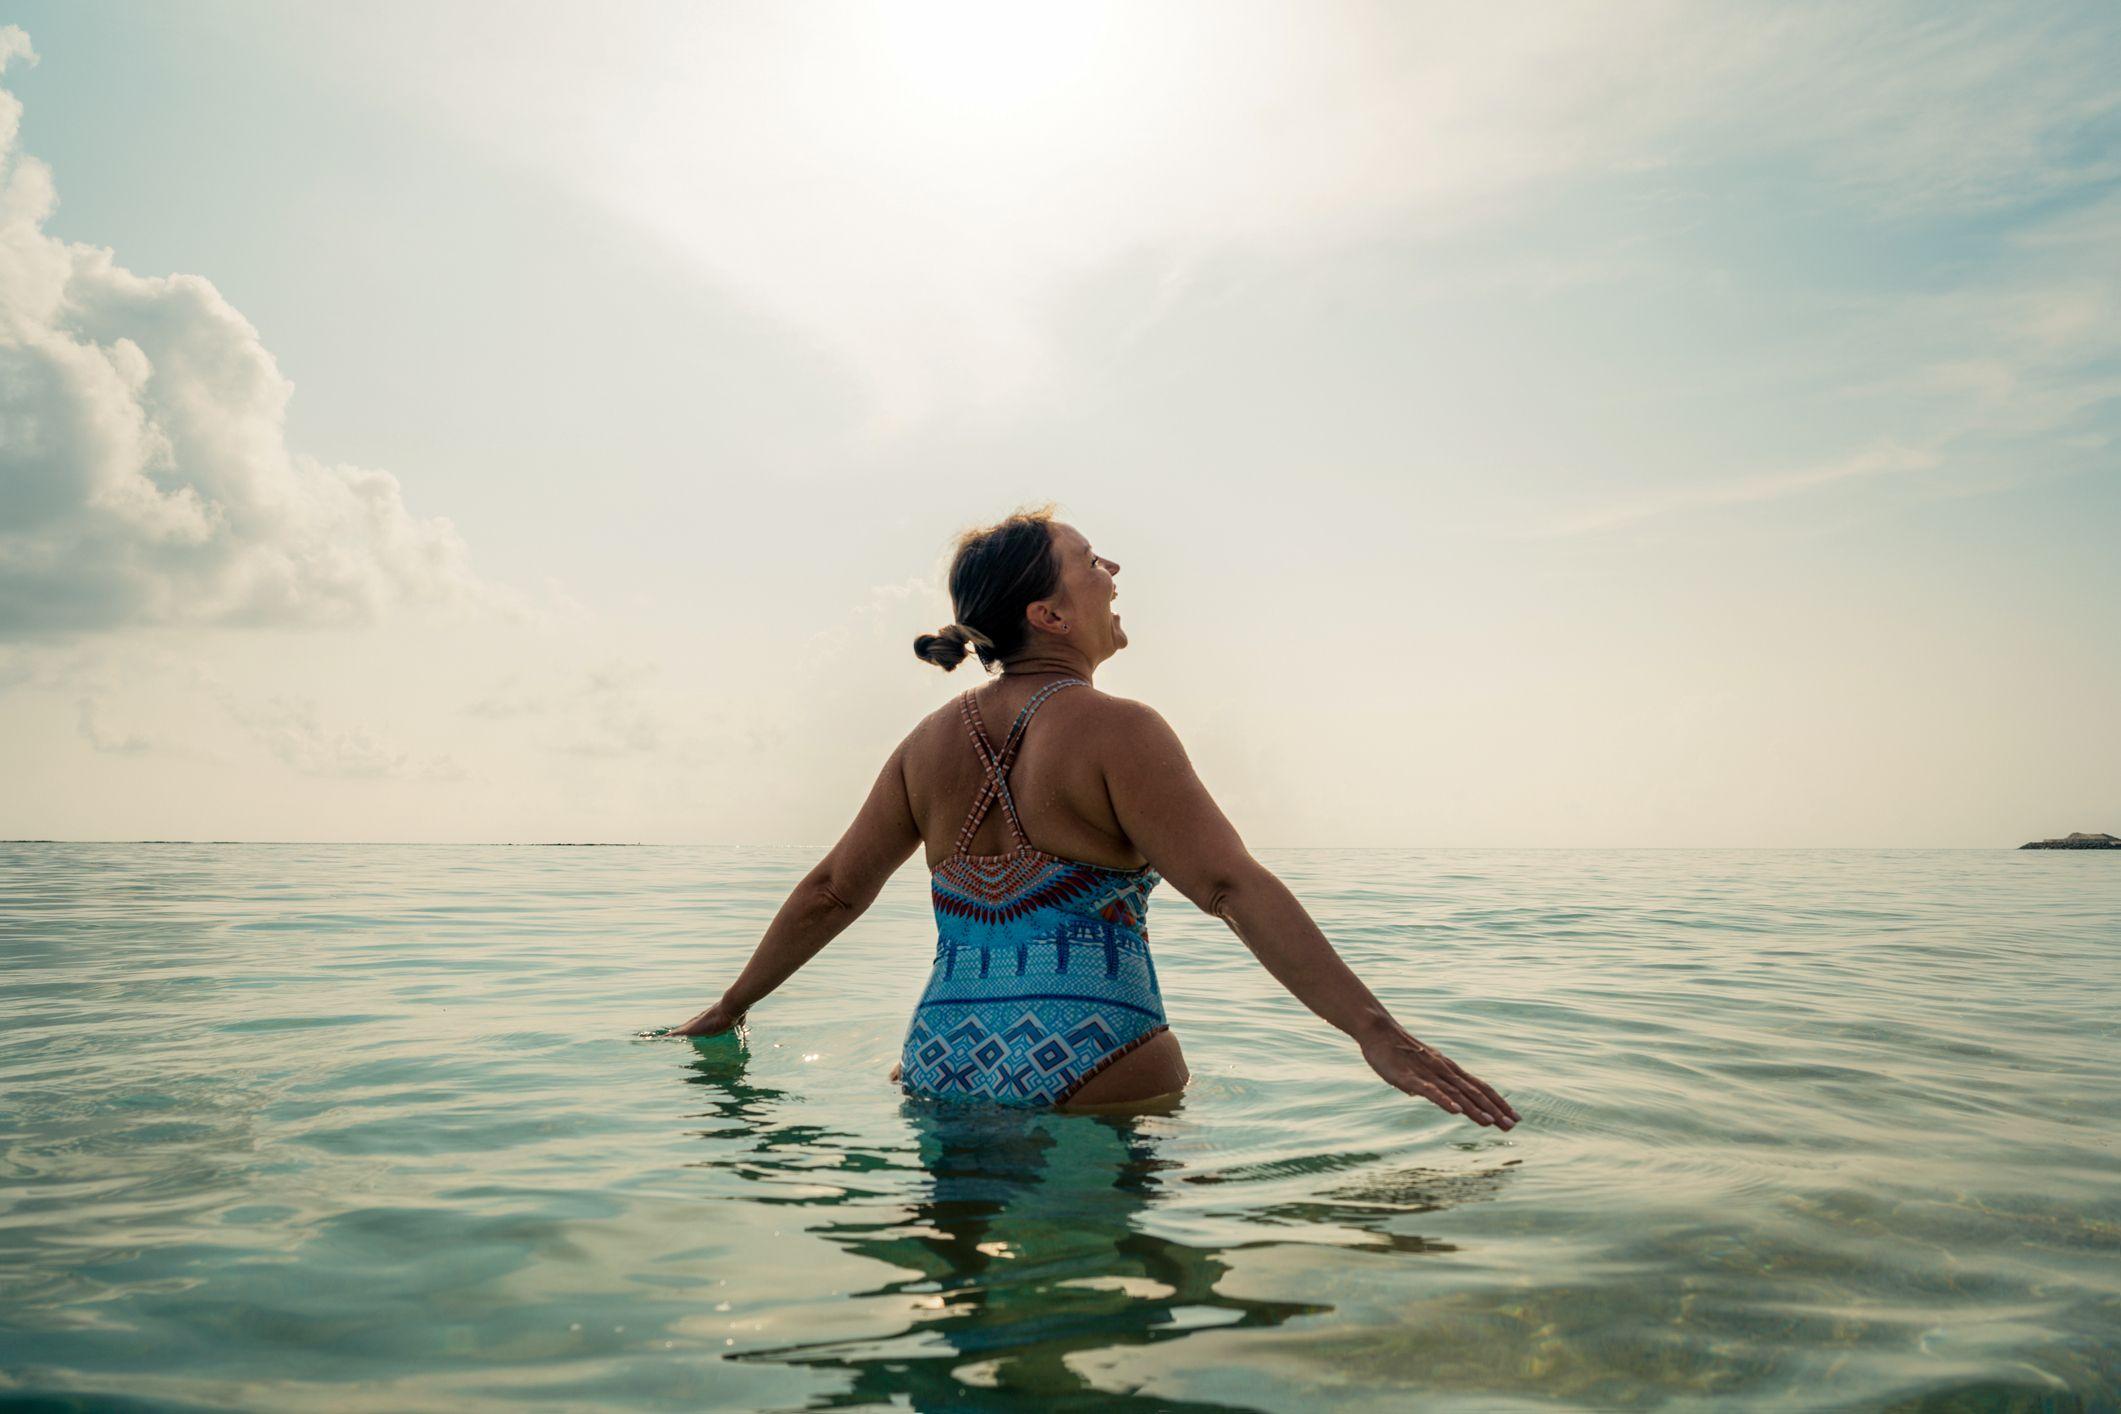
[
  {"x": 1024, "y": 1242},
  {"x": 333, "y": 1128}
]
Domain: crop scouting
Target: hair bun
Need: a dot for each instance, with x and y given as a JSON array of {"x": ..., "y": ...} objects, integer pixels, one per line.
[
  {"x": 996, "y": 573},
  {"x": 945, "y": 647}
]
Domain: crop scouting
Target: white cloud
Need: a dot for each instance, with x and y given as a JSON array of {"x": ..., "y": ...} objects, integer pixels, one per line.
[
  {"x": 610, "y": 708},
  {"x": 920, "y": 188},
  {"x": 97, "y": 732},
  {"x": 506, "y": 702},
  {"x": 1984, "y": 379},
  {"x": 1774, "y": 486},
  {"x": 145, "y": 476},
  {"x": 614, "y": 713},
  {"x": 93, "y": 677},
  {"x": 164, "y": 688},
  {"x": 292, "y": 729},
  {"x": 1923, "y": 110}
]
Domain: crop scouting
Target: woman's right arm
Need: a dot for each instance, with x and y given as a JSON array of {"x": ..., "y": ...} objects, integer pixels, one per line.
[{"x": 1170, "y": 817}]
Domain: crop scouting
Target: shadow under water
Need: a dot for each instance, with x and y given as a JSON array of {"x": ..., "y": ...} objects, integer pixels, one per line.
[{"x": 1024, "y": 1243}]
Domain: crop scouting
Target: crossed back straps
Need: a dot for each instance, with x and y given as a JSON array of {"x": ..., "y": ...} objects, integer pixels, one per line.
[{"x": 998, "y": 763}]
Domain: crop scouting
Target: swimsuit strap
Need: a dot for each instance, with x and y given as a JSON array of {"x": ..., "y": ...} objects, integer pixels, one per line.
[{"x": 998, "y": 763}]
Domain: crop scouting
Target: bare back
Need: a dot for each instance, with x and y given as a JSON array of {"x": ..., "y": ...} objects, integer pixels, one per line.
[{"x": 1058, "y": 778}]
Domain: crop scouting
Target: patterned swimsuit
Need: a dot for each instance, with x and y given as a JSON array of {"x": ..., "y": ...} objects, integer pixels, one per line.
[{"x": 1042, "y": 975}]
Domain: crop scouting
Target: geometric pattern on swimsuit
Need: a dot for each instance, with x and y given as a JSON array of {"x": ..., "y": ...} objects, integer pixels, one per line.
[{"x": 1042, "y": 975}]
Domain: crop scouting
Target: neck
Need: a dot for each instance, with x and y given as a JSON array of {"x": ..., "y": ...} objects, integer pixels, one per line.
[{"x": 1031, "y": 664}]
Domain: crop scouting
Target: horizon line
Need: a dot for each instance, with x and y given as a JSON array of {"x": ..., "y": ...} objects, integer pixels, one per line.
[{"x": 722, "y": 844}]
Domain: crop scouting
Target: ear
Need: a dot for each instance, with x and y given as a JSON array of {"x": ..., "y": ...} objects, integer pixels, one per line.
[{"x": 1044, "y": 617}]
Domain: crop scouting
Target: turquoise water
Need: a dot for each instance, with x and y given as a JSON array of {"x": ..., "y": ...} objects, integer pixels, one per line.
[{"x": 370, "y": 1127}]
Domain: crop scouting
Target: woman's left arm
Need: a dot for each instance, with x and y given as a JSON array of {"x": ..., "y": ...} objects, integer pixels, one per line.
[{"x": 833, "y": 894}]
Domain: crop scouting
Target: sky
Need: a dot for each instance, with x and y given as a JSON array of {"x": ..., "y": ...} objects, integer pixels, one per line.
[{"x": 1628, "y": 425}]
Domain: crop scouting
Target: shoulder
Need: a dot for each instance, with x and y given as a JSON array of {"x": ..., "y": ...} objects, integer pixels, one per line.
[
  {"x": 1125, "y": 725},
  {"x": 945, "y": 719},
  {"x": 1108, "y": 707}
]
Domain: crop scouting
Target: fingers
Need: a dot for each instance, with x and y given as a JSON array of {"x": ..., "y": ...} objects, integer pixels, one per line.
[
  {"x": 1488, "y": 1094},
  {"x": 1447, "y": 1100},
  {"x": 1477, "y": 1094},
  {"x": 1432, "y": 1071},
  {"x": 1485, "y": 1096},
  {"x": 1467, "y": 1097},
  {"x": 1474, "y": 1105},
  {"x": 703, "y": 1024},
  {"x": 1496, "y": 1102},
  {"x": 1421, "y": 1089}
]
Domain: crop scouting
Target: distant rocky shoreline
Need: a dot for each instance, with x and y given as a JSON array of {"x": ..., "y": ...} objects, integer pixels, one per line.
[{"x": 2076, "y": 841}]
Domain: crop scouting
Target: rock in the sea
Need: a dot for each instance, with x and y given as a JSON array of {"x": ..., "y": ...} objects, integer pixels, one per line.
[{"x": 2076, "y": 841}]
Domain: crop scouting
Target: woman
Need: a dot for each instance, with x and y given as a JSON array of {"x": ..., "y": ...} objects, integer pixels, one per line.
[{"x": 1043, "y": 992}]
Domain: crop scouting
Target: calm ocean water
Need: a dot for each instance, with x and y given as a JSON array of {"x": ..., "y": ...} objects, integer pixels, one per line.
[{"x": 369, "y": 1127}]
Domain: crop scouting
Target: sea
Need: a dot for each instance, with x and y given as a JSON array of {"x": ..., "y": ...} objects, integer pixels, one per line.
[{"x": 380, "y": 1127}]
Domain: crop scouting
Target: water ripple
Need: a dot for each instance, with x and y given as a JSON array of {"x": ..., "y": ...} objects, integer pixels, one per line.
[{"x": 356, "y": 1127}]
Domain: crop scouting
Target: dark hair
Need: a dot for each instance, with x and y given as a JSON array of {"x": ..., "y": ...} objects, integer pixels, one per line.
[{"x": 998, "y": 571}]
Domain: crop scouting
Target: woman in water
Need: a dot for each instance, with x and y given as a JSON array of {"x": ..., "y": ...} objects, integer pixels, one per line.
[{"x": 1043, "y": 992}]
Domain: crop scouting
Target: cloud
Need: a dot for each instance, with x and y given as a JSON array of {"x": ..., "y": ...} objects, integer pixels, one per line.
[
  {"x": 163, "y": 685},
  {"x": 605, "y": 709},
  {"x": 93, "y": 677},
  {"x": 291, "y": 729},
  {"x": 1875, "y": 461},
  {"x": 505, "y": 703},
  {"x": 102, "y": 738},
  {"x": 1997, "y": 381},
  {"x": 145, "y": 475},
  {"x": 613, "y": 714},
  {"x": 926, "y": 189},
  {"x": 879, "y": 628},
  {"x": 1920, "y": 109}
]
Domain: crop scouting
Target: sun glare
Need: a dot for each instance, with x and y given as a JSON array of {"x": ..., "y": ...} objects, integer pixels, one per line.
[{"x": 987, "y": 63}]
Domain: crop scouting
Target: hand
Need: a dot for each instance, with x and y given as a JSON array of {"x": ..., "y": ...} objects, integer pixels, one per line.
[
  {"x": 711, "y": 1022},
  {"x": 1419, "y": 1069}
]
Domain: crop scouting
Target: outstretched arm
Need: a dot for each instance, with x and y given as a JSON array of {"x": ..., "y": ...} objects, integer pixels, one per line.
[
  {"x": 1169, "y": 815},
  {"x": 833, "y": 894}
]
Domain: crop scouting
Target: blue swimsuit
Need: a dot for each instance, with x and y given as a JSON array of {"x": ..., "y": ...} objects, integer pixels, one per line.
[{"x": 1042, "y": 975}]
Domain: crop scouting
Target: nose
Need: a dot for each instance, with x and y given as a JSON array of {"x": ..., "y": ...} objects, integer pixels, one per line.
[{"x": 1112, "y": 567}]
